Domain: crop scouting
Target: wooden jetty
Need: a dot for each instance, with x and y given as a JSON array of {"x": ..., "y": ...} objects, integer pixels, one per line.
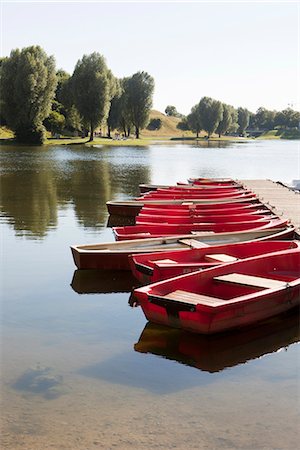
[{"x": 282, "y": 200}]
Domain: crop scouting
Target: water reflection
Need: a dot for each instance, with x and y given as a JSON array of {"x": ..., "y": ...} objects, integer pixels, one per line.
[
  {"x": 102, "y": 281},
  {"x": 216, "y": 353},
  {"x": 203, "y": 143},
  {"x": 209, "y": 354},
  {"x": 36, "y": 183},
  {"x": 119, "y": 221}
]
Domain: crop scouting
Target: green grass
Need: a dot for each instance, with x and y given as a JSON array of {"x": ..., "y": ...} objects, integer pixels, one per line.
[
  {"x": 271, "y": 134},
  {"x": 280, "y": 134},
  {"x": 168, "y": 134},
  {"x": 6, "y": 133},
  {"x": 102, "y": 141}
]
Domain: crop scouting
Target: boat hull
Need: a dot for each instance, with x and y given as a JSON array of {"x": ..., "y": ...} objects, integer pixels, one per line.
[
  {"x": 185, "y": 210},
  {"x": 132, "y": 207},
  {"x": 114, "y": 255},
  {"x": 148, "y": 231},
  {"x": 152, "y": 267},
  {"x": 151, "y": 220},
  {"x": 232, "y": 305}
]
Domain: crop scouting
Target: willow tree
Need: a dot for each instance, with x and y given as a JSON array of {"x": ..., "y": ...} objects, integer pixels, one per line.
[
  {"x": 139, "y": 91},
  {"x": 229, "y": 119},
  {"x": 114, "y": 119},
  {"x": 211, "y": 114},
  {"x": 243, "y": 120},
  {"x": 194, "y": 120},
  {"x": 93, "y": 87},
  {"x": 28, "y": 83}
]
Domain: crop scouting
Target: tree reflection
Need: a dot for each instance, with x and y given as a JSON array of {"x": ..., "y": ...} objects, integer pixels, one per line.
[{"x": 36, "y": 183}]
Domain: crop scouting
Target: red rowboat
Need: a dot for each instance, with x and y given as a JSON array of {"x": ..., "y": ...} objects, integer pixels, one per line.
[
  {"x": 195, "y": 195},
  {"x": 133, "y": 207},
  {"x": 196, "y": 190},
  {"x": 225, "y": 297},
  {"x": 153, "y": 187},
  {"x": 148, "y": 231},
  {"x": 114, "y": 255},
  {"x": 143, "y": 219},
  {"x": 213, "y": 181},
  {"x": 153, "y": 267},
  {"x": 198, "y": 210}
]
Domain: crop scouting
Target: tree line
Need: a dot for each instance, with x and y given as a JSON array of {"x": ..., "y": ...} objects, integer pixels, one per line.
[
  {"x": 34, "y": 96},
  {"x": 213, "y": 116}
]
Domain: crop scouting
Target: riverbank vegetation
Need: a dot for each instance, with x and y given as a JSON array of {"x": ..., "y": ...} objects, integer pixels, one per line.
[{"x": 92, "y": 105}]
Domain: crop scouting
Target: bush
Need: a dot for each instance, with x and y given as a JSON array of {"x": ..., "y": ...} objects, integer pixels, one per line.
[
  {"x": 31, "y": 135},
  {"x": 154, "y": 124}
]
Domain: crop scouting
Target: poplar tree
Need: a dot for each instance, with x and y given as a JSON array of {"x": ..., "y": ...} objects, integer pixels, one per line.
[
  {"x": 226, "y": 124},
  {"x": 194, "y": 120},
  {"x": 139, "y": 92},
  {"x": 211, "y": 113},
  {"x": 243, "y": 120},
  {"x": 28, "y": 83},
  {"x": 93, "y": 87}
]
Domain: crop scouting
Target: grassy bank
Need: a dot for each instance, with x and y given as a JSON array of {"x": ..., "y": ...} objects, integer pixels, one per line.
[
  {"x": 280, "y": 134},
  {"x": 168, "y": 133}
]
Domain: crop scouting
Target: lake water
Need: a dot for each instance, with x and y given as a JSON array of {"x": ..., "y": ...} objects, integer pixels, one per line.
[{"x": 81, "y": 369}]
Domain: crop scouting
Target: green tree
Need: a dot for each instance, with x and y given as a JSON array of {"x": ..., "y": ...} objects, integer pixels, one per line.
[
  {"x": 211, "y": 113},
  {"x": 114, "y": 118},
  {"x": 61, "y": 94},
  {"x": 183, "y": 125},
  {"x": 243, "y": 120},
  {"x": 288, "y": 118},
  {"x": 93, "y": 87},
  {"x": 234, "y": 121},
  {"x": 264, "y": 119},
  {"x": 194, "y": 120},
  {"x": 64, "y": 95},
  {"x": 172, "y": 111},
  {"x": 226, "y": 124},
  {"x": 139, "y": 92},
  {"x": 154, "y": 124},
  {"x": 55, "y": 122},
  {"x": 125, "y": 115},
  {"x": 28, "y": 82}
]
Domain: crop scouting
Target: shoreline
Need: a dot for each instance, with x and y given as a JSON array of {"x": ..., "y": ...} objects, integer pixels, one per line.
[{"x": 143, "y": 142}]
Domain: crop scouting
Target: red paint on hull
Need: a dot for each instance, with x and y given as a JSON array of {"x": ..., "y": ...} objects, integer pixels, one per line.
[{"x": 229, "y": 305}]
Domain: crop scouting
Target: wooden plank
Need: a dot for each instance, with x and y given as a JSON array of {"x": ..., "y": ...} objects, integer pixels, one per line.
[
  {"x": 164, "y": 261},
  {"x": 278, "y": 198},
  {"x": 221, "y": 257},
  {"x": 193, "y": 243},
  {"x": 250, "y": 280},
  {"x": 192, "y": 298},
  {"x": 199, "y": 233}
]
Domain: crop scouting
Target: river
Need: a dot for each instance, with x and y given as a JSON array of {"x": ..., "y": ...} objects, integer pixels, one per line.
[{"x": 81, "y": 369}]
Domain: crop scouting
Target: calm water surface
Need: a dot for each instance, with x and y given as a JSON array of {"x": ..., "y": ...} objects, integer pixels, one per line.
[{"x": 83, "y": 370}]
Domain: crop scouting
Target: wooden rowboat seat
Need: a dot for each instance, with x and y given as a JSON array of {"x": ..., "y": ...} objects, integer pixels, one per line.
[
  {"x": 202, "y": 232},
  {"x": 164, "y": 261},
  {"x": 193, "y": 243},
  {"x": 191, "y": 298},
  {"x": 250, "y": 280},
  {"x": 220, "y": 257}
]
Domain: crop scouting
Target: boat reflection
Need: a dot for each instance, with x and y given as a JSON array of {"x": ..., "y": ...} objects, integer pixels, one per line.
[
  {"x": 217, "y": 352},
  {"x": 95, "y": 281},
  {"x": 119, "y": 221}
]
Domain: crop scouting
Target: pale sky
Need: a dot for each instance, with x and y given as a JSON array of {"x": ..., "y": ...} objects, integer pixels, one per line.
[{"x": 242, "y": 53}]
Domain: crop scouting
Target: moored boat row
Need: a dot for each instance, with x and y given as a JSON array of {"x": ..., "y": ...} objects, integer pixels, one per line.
[{"x": 218, "y": 257}]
